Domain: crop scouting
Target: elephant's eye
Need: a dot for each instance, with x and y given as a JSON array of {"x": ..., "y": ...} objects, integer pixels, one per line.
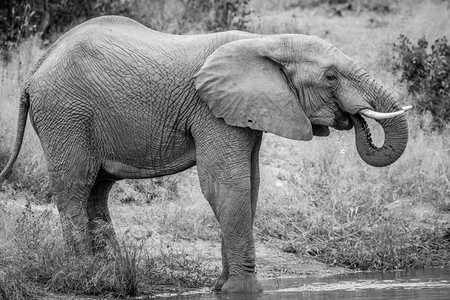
[{"x": 331, "y": 77}]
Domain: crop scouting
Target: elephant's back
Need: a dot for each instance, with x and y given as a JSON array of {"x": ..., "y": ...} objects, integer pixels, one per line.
[
  {"x": 117, "y": 62},
  {"x": 108, "y": 25},
  {"x": 108, "y": 35},
  {"x": 110, "y": 46},
  {"x": 93, "y": 36},
  {"x": 101, "y": 28},
  {"x": 112, "y": 21},
  {"x": 109, "y": 65}
]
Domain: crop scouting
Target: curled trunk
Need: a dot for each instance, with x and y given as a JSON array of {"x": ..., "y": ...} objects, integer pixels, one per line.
[{"x": 395, "y": 135}]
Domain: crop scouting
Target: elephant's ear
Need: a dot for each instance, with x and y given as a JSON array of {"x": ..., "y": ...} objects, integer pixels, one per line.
[{"x": 244, "y": 83}]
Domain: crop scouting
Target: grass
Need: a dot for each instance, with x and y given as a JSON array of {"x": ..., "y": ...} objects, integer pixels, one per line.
[
  {"x": 317, "y": 198},
  {"x": 33, "y": 259},
  {"x": 364, "y": 218}
]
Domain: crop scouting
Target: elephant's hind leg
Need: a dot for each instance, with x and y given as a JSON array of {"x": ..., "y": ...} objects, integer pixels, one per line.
[
  {"x": 71, "y": 151},
  {"x": 100, "y": 226},
  {"x": 73, "y": 183}
]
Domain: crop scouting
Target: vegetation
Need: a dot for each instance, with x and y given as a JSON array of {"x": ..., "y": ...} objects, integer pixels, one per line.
[
  {"x": 427, "y": 75},
  {"x": 317, "y": 199},
  {"x": 362, "y": 218},
  {"x": 33, "y": 255},
  {"x": 20, "y": 19}
]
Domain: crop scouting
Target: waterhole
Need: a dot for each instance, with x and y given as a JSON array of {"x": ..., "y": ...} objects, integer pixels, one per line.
[{"x": 433, "y": 284}]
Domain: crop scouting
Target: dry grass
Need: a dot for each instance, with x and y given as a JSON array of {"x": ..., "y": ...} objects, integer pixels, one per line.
[
  {"x": 345, "y": 213},
  {"x": 316, "y": 197},
  {"x": 33, "y": 258},
  {"x": 29, "y": 172}
]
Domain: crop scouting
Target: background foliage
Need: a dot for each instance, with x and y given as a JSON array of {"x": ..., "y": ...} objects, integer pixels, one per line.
[
  {"x": 426, "y": 73},
  {"x": 21, "y": 18}
]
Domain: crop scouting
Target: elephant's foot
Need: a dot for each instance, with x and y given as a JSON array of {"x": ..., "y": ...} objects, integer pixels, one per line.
[
  {"x": 242, "y": 285},
  {"x": 220, "y": 282}
]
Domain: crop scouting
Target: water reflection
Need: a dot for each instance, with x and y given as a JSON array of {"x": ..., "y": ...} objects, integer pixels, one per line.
[{"x": 423, "y": 284}]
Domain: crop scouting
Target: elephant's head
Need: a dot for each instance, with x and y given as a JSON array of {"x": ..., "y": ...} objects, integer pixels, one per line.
[{"x": 297, "y": 86}]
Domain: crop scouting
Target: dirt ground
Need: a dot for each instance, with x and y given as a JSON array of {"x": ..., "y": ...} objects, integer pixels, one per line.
[{"x": 271, "y": 260}]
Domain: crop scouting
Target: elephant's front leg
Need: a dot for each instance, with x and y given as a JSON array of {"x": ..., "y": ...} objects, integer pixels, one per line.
[
  {"x": 254, "y": 181},
  {"x": 235, "y": 218},
  {"x": 233, "y": 209},
  {"x": 223, "y": 278},
  {"x": 226, "y": 181}
]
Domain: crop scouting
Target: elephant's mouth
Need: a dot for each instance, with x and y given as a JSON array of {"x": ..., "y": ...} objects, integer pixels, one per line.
[
  {"x": 342, "y": 120},
  {"x": 320, "y": 130},
  {"x": 338, "y": 119}
]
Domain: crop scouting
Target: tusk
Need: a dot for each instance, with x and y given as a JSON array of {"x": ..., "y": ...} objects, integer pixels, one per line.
[{"x": 381, "y": 116}]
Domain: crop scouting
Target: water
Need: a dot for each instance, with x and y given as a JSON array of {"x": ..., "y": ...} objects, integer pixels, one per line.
[{"x": 421, "y": 284}]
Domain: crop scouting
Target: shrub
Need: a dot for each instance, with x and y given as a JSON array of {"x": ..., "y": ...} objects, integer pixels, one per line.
[
  {"x": 230, "y": 14},
  {"x": 22, "y": 18},
  {"x": 427, "y": 75}
]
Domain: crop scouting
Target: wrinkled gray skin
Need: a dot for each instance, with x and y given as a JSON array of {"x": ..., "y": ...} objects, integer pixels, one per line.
[{"x": 112, "y": 99}]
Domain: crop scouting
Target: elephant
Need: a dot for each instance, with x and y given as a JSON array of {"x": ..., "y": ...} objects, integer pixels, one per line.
[{"x": 112, "y": 99}]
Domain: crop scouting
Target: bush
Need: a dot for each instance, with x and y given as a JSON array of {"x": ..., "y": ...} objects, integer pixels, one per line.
[
  {"x": 20, "y": 19},
  {"x": 427, "y": 75},
  {"x": 230, "y": 14}
]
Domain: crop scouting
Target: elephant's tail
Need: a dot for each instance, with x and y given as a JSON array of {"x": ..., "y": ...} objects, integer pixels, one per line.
[{"x": 24, "y": 105}]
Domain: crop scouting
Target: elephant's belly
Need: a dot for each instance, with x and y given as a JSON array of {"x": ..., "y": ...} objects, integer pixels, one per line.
[
  {"x": 147, "y": 166},
  {"x": 119, "y": 170},
  {"x": 132, "y": 152}
]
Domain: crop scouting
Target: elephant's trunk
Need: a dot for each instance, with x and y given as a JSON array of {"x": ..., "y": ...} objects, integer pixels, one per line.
[{"x": 395, "y": 133}]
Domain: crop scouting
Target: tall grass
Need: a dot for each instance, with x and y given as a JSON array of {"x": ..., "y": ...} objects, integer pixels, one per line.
[
  {"x": 345, "y": 213},
  {"x": 33, "y": 258},
  {"x": 30, "y": 171},
  {"x": 317, "y": 198}
]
